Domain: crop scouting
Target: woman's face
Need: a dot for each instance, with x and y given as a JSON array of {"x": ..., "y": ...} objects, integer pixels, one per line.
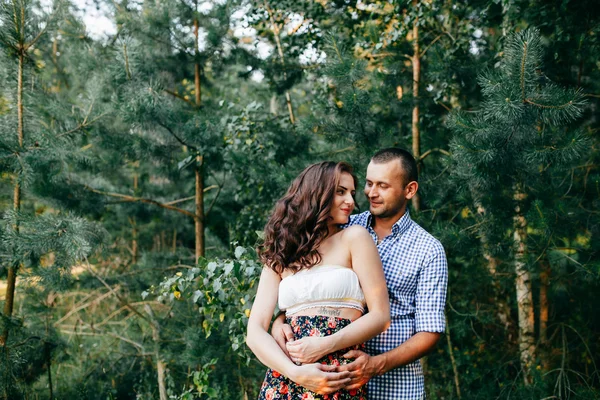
[{"x": 343, "y": 201}]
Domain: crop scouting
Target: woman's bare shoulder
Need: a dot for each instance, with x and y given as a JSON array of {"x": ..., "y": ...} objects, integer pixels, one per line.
[{"x": 355, "y": 233}]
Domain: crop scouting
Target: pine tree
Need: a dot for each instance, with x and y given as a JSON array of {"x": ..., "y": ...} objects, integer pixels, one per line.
[
  {"x": 38, "y": 240},
  {"x": 504, "y": 153}
]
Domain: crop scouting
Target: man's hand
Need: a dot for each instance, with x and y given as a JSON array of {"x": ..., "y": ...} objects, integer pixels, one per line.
[
  {"x": 320, "y": 378},
  {"x": 282, "y": 333},
  {"x": 363, "y": 368},
  {"x": 308, "y": 349}
]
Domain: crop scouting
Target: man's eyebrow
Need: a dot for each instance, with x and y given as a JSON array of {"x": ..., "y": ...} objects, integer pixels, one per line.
[{"x": 377, "y": 182}]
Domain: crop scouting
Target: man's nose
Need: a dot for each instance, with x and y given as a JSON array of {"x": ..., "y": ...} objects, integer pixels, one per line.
[{"x": 372, "y": 192}]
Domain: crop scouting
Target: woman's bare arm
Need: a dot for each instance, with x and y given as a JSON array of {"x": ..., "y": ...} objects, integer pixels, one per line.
[
  {"x": 367, "y": 265},
  {"x": 315, "y": 377}
]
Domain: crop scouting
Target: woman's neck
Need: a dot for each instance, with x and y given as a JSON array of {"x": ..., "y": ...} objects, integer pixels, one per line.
[{"x": 332, "y": 229}]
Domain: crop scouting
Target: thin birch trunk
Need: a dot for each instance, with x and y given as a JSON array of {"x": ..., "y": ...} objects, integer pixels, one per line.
[
  {"x": 12, "y": 270},
  {"x": 416, "y": 134},
  {"x": 161, "y": 366},
  {"x": 161, "y": 369},
  {"x": 199, "y": 218},
  {"x": 199, "y": 195},
  {"x": 527, "y": 346}
]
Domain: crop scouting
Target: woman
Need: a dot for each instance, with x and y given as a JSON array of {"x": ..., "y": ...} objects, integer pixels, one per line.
[{"x": 323, "y": 277}]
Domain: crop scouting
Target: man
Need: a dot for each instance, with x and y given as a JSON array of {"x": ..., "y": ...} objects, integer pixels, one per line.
[{"x": 416, "y": 273}]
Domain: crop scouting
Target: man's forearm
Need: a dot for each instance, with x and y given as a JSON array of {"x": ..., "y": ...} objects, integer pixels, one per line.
[{"x": 414, "y": 348}]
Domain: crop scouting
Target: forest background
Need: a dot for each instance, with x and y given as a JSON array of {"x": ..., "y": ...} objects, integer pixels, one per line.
[{"x": 139, "y": 168}]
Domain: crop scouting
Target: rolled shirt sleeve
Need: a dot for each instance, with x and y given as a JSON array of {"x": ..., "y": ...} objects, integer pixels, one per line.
[{"x": 430, "y": 298}]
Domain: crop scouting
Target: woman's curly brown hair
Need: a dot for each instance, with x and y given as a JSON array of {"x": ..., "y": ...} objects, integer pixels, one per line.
[{"x": 298, "y": 224}]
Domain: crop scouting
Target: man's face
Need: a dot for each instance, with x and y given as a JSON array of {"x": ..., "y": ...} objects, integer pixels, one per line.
[{"x": 385, "y": 189}]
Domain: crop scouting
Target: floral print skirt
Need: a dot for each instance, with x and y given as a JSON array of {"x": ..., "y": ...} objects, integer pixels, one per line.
[{"x": 277, "y": 386}]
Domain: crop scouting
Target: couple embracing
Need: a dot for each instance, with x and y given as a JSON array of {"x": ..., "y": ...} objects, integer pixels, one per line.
[{"x": 363, "y": 295}]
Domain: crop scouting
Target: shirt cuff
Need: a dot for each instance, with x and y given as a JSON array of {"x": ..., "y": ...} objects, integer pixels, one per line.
[{"x": 430, "y": 322}]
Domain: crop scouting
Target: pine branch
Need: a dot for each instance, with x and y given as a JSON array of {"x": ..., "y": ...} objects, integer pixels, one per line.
[
  {"x": 523, "y": 70},
  {"x": 41, "y": 33},
  {"x": 206, "y": 189},
  {"x": 114, "y": 335},
  {"x": 86, "y": 305},
  {"x": 175, "y": 136},
  {"x": 429, "y": 45},
  {"x": 529, "y": 101},
  {"x": 428, "y": 152},
  {"x": 214, "y": 200},
  {"x": 131, "y": 199},
  {"x": 84, "y": 124},
  {"x": 180, "y": 97},
  {"x": 122, "y": 300}
]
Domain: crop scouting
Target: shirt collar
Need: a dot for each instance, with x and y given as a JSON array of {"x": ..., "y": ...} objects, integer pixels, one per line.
[{"x": 399, "y": 226}]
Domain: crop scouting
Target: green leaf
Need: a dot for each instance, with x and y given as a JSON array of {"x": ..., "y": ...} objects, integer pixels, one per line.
[
  {"x": 239, "y": 251},
  {"x": 196, "y": 296},
  {"x": 185, "y": 162}
]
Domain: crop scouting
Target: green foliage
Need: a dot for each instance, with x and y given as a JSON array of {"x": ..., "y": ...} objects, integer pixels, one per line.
[
  {"x": 222, "y": 290},
  {"x": 112, "y": 128}
]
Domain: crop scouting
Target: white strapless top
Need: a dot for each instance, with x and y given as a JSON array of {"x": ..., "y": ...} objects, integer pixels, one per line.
[{"x": 321, "y": 286}]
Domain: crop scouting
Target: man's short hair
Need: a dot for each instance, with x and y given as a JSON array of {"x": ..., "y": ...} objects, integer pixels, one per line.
[{"x": 407, "y": 162}]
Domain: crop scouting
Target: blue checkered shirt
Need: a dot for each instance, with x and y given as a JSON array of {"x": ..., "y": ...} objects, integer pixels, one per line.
[{"x": 416, "y": 273}]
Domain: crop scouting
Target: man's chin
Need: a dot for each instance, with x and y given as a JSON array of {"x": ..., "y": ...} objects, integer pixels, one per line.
[{"x": 377, "y": 212}]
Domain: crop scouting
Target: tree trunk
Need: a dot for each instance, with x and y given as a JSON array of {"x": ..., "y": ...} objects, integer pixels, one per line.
[
  {"x": 12, "y": 270},
  {"x": 174, "y": 242},
  {"x": 49, "y": 366},
  {"x": 502, "y": 306},
  {"x": 161, "y": 366},
  {"x": 276, "y": 32},
  {"x": 544, "y": 283},
  {"x": 523, "y": 287},
  {"x": 199, "y": 218},
  {"x": 543, "y": 326},
  {"x": 452, "y": 359},
  {"x": 416, "y": 135},
  {"x": 134, "y": 232},
  {"x": 199, "y": 197}
]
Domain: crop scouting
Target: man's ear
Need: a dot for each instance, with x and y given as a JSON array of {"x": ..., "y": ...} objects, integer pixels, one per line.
[{"x": 411, "y": 189}]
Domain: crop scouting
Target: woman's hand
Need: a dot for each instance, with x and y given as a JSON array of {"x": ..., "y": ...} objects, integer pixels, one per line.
[
  {"x": 319, "y": 378},
  {"x": 308, "y": 349}
]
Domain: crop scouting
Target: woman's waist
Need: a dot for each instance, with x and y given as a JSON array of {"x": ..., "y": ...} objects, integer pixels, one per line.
[{"x": 324, "y": 311}]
